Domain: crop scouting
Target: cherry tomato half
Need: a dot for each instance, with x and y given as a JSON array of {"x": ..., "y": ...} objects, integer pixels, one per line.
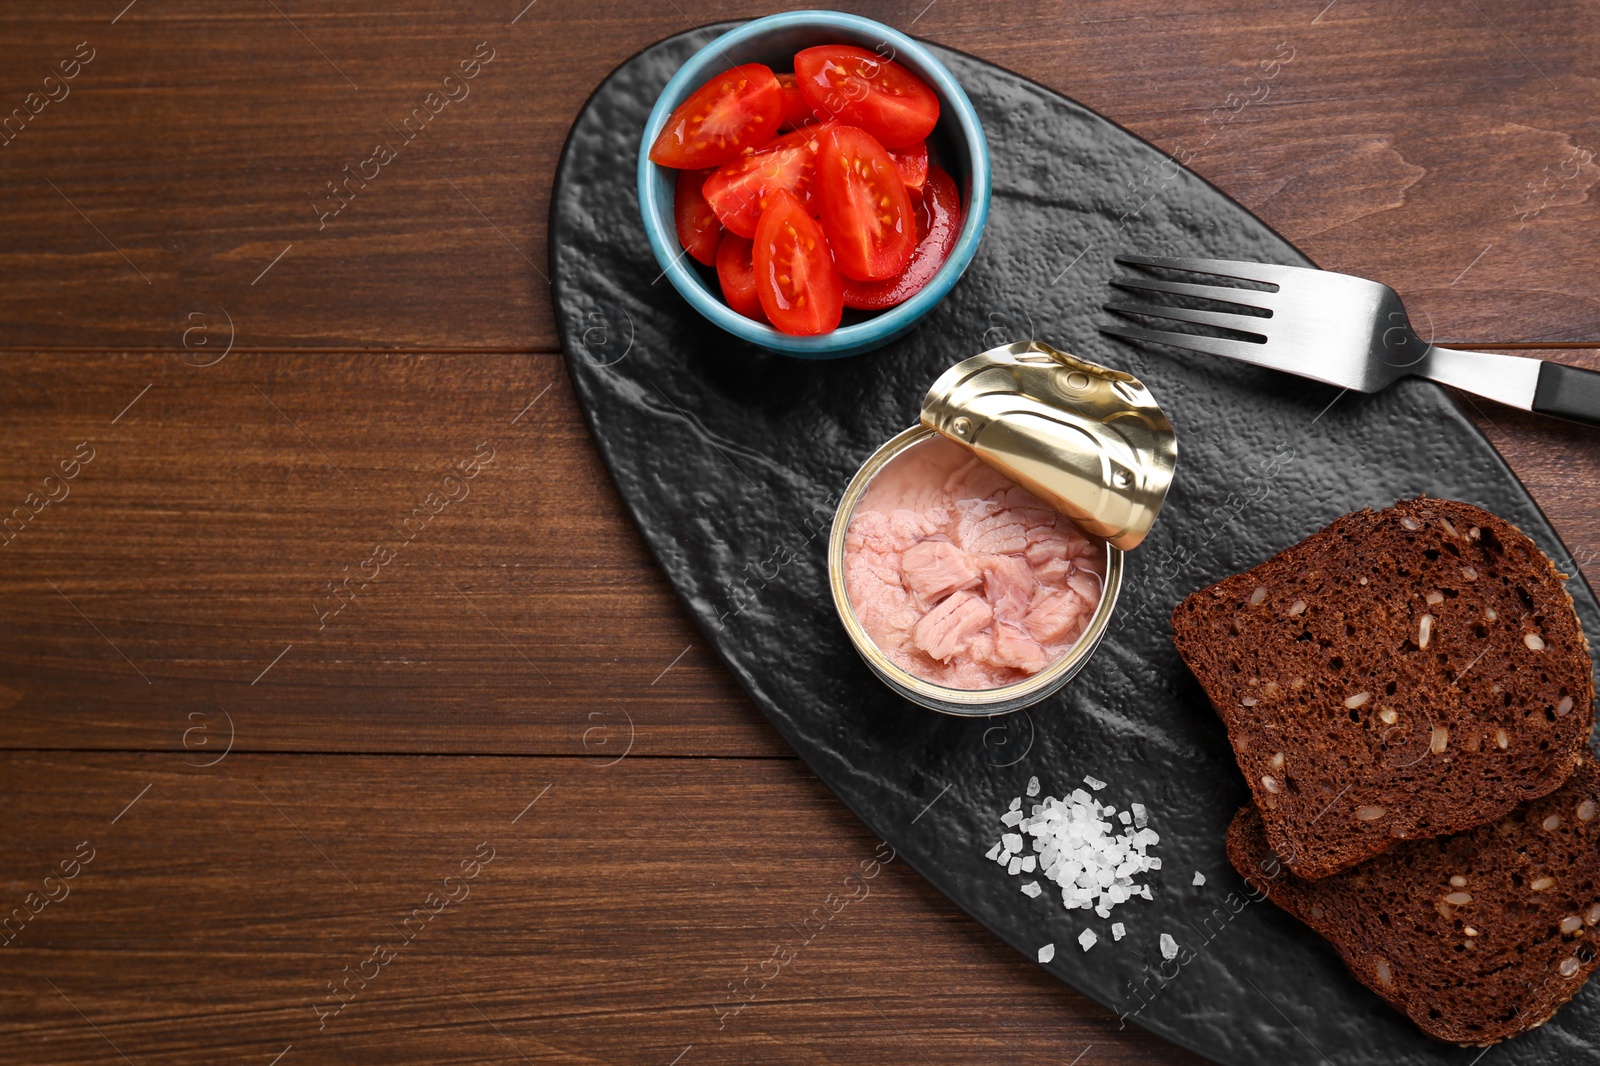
[
  {"x": 738, "y": 191},
  {"x": 736, "y": 271},
  {"x": 866, "y": 210},
  {"x": 737, "y": 110},
  {"x": 796, "y": 112},
  {"x": 862, "y": 89},
  {"x": 698, "y": 228},
  {"x": 913, "y": 165},
  {"x": 797, "y": 284},
  {"x": 941, "y": 209}
]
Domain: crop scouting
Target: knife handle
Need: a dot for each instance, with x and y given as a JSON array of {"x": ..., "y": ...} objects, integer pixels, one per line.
[{"x": 1568, "y": 392}]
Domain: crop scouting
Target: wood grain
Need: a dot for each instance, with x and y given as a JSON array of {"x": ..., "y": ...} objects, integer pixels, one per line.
[
  {"x": 179, "y": 297},
  {"x": 606, "y": 926},
  {"x": 1447, "y": 151},
  {"x": 199, "y": 543}
]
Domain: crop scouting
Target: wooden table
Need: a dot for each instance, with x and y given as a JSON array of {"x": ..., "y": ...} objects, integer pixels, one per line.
[{"x": 503, "y": 804}]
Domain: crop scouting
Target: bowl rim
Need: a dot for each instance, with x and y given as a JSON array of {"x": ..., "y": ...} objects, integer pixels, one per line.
[{"x": 860, "y": 336}]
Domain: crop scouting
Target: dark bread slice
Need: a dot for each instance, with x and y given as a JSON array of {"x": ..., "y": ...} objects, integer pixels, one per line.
[
  {"x": 1493, "y": 707},
  {"x": 1405, "y": 929}
]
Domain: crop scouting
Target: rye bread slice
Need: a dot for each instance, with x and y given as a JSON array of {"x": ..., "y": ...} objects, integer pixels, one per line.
[
  {"x": 1475, "y": 937},
  {"x": 1404, "y": 673}
]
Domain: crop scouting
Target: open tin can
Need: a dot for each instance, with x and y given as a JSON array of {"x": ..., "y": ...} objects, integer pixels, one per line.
[{"x": 1089, "y": 441}]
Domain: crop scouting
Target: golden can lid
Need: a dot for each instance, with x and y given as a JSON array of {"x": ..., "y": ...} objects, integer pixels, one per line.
[{"x": 1089, "y": 440}]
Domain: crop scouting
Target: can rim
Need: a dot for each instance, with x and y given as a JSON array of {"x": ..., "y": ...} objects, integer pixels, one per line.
[{"x": 955, "y": 701}]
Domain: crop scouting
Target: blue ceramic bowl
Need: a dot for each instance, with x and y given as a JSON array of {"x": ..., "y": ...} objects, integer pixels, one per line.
[{"x": 957, "y": 144}]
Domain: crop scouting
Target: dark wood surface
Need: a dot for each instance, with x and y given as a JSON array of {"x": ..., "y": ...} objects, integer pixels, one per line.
[{"x": 521, "y": 638}]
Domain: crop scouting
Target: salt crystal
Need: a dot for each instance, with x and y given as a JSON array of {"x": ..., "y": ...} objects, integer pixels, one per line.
[
  {"x": 1169, "y": 946},
  {"x": 1047, "y": 953},
  {"x": 1090, "y": 850},
  {"x": 1087, "y": 939},
  {"x": 1031, "y": 889},
  {"x": 1117, "y": 931},
  {"x": 1199, "y": 878},
  {"x": 1033, "y": 786},
  {"x": 994, "y": 852}
]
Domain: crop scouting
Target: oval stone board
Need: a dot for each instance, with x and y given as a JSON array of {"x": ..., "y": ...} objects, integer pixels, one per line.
[{"x": 731, "y": 459}]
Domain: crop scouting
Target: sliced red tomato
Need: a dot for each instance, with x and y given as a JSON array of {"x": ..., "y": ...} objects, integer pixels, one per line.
[
  {"x": 913, "y": 166},
  {"x": 799, "y": 288},
  {"x": 736, "y": 111},
  {"x": 796, "y": 112},
  {"x": 866, "y": 210},
  {"x": 920, "y": 210},
  {"x": 737, "y": 272},
  {"x": 698, "y": 228},
  {"x": 862, "y": 89},
  {"x": 738, "y": 191},
  {"x": 941, "y": 208}
]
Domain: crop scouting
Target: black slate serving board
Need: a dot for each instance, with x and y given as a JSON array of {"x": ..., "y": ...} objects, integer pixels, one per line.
[{"x": 730, "y": 461}]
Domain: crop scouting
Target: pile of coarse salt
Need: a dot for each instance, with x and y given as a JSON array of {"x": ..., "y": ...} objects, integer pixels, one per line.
[{"x": 1091, "y": 850}]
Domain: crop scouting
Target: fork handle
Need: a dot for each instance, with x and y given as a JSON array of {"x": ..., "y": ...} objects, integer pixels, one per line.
[{"x": 1568, "y": 392}]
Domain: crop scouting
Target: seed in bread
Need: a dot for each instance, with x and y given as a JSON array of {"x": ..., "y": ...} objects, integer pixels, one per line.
[
  {"x": 1404, "y": 673},
  {"x": 1475, "y": 937}
]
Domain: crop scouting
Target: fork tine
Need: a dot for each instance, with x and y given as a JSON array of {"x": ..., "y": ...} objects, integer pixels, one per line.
[
  {"x": 1241, "y": 323},
  {"x": 1270, "y": 273},
  {"x": 1231, "y": 349},
  {"x": 1220, "y": 293}
]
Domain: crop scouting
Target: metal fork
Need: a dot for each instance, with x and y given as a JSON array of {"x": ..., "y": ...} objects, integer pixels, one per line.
[{"x": 1345, "y": 331}]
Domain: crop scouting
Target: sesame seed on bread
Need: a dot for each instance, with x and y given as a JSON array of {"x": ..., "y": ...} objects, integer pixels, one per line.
[
  {"x": 1405, "y": 673},
  {"x": 1476, "y": 937}
]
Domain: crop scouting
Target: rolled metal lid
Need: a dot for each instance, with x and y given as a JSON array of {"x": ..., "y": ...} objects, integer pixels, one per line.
[{"x": 1090, "y": 441}]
